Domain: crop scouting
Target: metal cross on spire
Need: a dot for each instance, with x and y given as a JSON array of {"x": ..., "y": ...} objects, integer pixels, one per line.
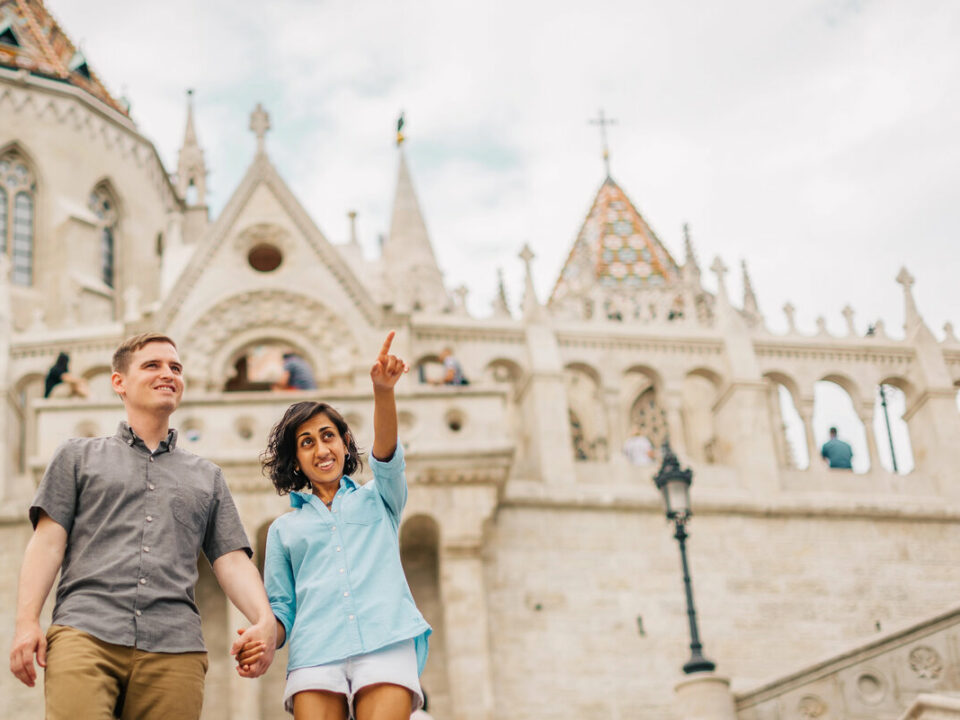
[{"x": 603, "y": 121}]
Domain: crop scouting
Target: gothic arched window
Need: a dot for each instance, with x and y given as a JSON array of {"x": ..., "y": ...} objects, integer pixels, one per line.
[
  {"x": 103, "y": 205},
  {"x": 649, "y": 418},
  {"x": 17, "y": 215}
]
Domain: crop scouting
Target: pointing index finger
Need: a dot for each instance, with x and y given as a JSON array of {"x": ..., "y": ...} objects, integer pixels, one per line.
[{"x": 384, "y": 351}]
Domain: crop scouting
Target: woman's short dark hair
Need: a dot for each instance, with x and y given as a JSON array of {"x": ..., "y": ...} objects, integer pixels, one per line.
[{"x": 279, "y": 460}]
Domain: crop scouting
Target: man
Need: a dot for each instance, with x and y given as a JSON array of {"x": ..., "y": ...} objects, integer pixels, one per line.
[
  {"x": 452, "y": 372},
  {"x": 123, "y": 519},
  {"x": 638, "y": 448},
  {"x": 296, "y": 375},
  {"x": 836, "y": 452}
]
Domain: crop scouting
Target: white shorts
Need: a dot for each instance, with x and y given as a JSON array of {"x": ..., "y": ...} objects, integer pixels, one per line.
[{"x": 395, "y": 664}]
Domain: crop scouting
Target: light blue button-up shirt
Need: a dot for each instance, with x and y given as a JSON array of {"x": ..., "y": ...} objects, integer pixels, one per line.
[{"x": 334, "y": 576}]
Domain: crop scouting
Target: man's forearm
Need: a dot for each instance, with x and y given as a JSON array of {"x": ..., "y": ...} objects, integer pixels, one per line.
[{"x": 241, "y": 582}]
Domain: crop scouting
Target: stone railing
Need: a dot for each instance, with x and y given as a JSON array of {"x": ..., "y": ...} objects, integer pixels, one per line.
[
  {"x": 462, "y": 437},
  {"x": 878, "y": 680}
]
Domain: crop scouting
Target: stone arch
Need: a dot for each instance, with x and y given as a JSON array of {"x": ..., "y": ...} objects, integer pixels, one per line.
[
  {"x": 849, "y": 385},
  {"x": 503, "y": 370},
  {"x": 98, "y": 380},
  {"x": 429, "y": 367},
  {"x": 699, "y": 391},
  {"x": 588, "y": 423},
  {"x": 420, "y": 554},
  {"x": 835, "y": 406},
  {"x": 789, "y": 430},
  {"x": 898, "y": 393},
  {"x": 27, "y": 389},
  {"x": 233, "y": 354},
  {"x": 238, "y": 319}
]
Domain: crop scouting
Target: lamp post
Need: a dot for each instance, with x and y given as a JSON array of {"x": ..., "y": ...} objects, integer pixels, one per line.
[
  {"x": 886, "y": 417},
  {"x": 674, "y": 483}
]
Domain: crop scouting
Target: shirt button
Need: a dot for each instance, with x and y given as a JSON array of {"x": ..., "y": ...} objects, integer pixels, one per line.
[
  {"x": 149, "y": 518},
  {"x": 146, "y": 549},
  {"x": 341, "y": 570},
  {"x": 151, "y": 458},
  {"x": 143, "y": 581},
  {"x": 346, "y": 594},
  {"x": 151, "y": 487},
  {"x": 333, "y": 527},
  {"x": 351, "y": 617},
  {"x": 333, "y": 511},
  {"x": 139, "y": 613},
  {"x": 338, "y": 548}
]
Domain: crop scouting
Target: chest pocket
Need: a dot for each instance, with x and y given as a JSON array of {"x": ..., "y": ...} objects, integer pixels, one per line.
[
  {"x": 362, "y": 508},
  {"x": 190, "y": 507}
]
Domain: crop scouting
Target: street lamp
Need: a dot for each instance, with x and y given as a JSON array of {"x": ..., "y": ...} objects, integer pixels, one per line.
[{"x": 674, "y": 483}]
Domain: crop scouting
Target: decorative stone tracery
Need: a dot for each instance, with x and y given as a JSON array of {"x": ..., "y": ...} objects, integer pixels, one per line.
[{"x": 212, "y": 340}]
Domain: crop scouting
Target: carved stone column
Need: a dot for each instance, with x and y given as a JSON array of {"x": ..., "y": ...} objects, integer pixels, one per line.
[
  {"x": 805, "y": 410},
  {"x": 673, "y": 406},
  {"x": 465, "y": 623},
  {"x": 866, "y": 414}
]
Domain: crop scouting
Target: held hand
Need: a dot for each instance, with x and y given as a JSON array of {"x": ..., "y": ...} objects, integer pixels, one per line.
[
  {"x": 386, "y": 371},
  {"x": 254, "y": 649},
  {"x": 28, "y": 640}
]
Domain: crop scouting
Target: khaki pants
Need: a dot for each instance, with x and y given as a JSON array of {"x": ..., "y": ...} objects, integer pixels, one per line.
[{"x": 89, "y": 678}]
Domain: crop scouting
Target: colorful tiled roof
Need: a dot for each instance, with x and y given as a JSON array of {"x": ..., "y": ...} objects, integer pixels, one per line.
[
  {"x": 32, "y": 40},
  {"x": 615, "y": 248}
]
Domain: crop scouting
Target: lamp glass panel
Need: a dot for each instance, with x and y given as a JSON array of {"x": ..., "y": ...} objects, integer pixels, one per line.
[{"x": 678, "y": 497}]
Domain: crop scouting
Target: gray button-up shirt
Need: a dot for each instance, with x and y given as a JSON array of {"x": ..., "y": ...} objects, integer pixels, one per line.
[{"x": 136, "y": 522}]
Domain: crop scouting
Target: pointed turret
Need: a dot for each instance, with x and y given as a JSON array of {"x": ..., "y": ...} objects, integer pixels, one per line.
[
  {"x": 192, "y": 180},
  {"x": 31, "y": 40},
  {"x": 191, "y": 168},
  {"x": 615, "y": 248},
  {"x": 531, "y": 306},
  {"x": 407, "y": 258},
  {"x": 501, "y": 307},
  {"x": 750, "y": 306}
]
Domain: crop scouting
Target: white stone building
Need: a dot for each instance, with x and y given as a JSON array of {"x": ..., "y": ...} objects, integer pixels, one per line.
[{"x": 537, "y": 552}]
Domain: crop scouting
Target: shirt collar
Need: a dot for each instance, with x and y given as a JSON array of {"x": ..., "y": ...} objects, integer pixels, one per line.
[
  {"x": 126, "y": 435},
  {"x": 299, "y": 499}
]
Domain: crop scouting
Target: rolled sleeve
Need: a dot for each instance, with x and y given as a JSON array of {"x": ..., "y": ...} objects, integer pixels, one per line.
[
  {"x": 279, "y": 582},
  {"x": 391, "y": 481},
  {"x": 225, "y": 531},
  {"x": 57, "y": 494}
]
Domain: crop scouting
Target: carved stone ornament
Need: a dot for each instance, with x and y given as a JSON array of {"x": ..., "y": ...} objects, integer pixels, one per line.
[
  {"x": 269, "y": 310},
  {"x": 810, "y": 706},
  {"x": 926, "y": 663}
]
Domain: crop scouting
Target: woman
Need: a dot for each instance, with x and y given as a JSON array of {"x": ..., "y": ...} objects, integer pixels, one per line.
[{"x": 332, "y": 566}]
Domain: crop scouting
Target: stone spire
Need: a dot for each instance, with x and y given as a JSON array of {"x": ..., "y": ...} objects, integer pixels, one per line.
[
  {"x": 690, "y": 265},
  {"x": 720, "y": 270},
  {"x": 407, "y": 254},
  {"x": 911, "y": 316},
  {"x": 750, "y": 306},
  {"x": 191, "y": 168},
  {"x": 501, "y": 307},
  {"x": 531, "y": 306}
]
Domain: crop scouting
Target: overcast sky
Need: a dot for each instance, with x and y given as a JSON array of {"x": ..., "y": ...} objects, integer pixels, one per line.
[{"x": 817, "y": 139}]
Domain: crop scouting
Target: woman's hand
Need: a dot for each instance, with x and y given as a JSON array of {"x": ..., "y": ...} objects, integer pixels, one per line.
[{"x": 386, "y": 371}]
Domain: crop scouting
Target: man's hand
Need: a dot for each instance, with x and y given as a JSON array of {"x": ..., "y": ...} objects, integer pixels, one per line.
[
  {"x": 28, "y": 640},
  {"x": 386, "y": 371},
  {"x": 254, "y": 648}
]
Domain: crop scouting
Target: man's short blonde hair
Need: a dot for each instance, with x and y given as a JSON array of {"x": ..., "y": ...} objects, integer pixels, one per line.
[{"x": 123, "y": 354}]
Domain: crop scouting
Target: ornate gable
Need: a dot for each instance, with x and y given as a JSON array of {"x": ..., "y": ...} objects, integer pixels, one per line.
[{"x": 615, "y": 249}]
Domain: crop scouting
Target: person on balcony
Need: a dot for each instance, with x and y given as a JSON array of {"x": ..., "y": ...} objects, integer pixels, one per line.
[{"x": 837, "y": 453}]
